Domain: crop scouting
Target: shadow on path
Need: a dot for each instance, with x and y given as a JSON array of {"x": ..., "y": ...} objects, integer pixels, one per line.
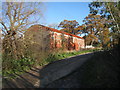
[
  {"x": 61, "y": 68},
  {"x": 25, "y": 80},
  {"x": 40, "y": 77}
]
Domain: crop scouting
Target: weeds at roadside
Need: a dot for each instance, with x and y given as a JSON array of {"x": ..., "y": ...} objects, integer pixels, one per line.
[{"x": 19, "y": 66}]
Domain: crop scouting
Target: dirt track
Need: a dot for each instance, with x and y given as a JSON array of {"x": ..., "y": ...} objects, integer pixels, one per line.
[{"x": 49, "y": 76}]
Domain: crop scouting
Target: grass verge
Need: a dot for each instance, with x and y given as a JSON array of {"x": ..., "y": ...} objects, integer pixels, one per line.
[
  {"x": 59, "y": 56},
  {"x": 19, "y": 66}
]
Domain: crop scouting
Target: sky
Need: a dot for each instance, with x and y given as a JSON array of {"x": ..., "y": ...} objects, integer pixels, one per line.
[{"x": 55, "y": 12}]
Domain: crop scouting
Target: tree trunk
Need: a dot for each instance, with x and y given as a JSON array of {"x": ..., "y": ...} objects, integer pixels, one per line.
[{"x": 113, "y": 17}]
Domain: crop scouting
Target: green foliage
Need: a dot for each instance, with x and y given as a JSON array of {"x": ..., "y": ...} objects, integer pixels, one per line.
[
  {"x": 110, "y": 11},
  {"x": 18, "y": 66},
  {"x": 71, "y": 27},
  {"x": 63, "y": 55},
  {"x": 96, "y": 30}
]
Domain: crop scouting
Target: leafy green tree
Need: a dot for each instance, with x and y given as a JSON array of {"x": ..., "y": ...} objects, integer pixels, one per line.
[
  {"x": 71, "y": 27},
  {"x": 95, "y": 27},
  {"x": 111, "y": 11}
]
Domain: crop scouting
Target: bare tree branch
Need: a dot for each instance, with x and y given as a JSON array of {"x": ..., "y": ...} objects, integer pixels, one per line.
[
  {"x": 19, "y": 14},
  {"x": 4, "y": 26}
]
